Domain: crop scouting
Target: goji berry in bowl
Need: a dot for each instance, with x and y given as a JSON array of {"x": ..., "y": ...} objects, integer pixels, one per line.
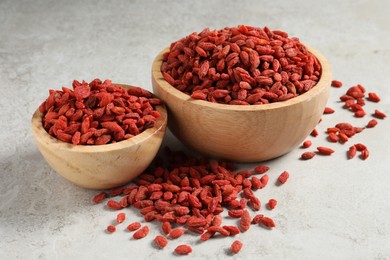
[
  {"x": 243, "y": 93},
  {"x": 125, "y": 138}
]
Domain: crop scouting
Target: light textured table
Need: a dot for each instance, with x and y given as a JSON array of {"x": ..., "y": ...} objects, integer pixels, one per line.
[{"x": 331, "y": 208}]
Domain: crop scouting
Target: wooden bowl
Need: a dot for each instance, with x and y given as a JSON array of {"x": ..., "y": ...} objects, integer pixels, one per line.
[
  {"x": 243, "y": 133},
  {"x": 101, "y": 166}
]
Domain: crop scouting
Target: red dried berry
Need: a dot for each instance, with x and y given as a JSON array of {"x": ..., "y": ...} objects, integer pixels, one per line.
[
  {"x": 236, "y": 246},
  {"x": 306, "y": 144},
  {"x": 183, "y": 250},
  {"x": 283, "y": 177},
  {"x": 272, "y": 203},
  {"x": 166, "y": 227},
  {"x": 336, "y": 83},
  {"x": 161, "y": 241},
  {"x": 372, "y": 123},
  {"x": 141, "y": 233},
  {"x": 133, "y": 226},
  {"x": 120, "y": 217},
  {"x": 314, "y": 132},
  {"x": 267, "y": 222},
  {"x": 364, "y": 154},
  {"x": 360, "y": 147},
  {"x": 325, "y": 150},
  {"x": 111, "y": 228},
  {"x": 373, "y": 97},
  {"x": 114, "y": 205},
  {"x": 328, "y": 110},
  {"x": 245, "y": 221},
  {"x": 99, "y": 197},
  {"x": 352, "y": 152},
  {"x": 379, "y": 114},
  {"x": 261, "y": 169},
  {"x": 307, "y": 155},
  {"x": 176, "y": 233}
]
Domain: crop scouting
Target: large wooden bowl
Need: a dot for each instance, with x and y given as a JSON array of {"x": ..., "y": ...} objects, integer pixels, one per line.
[
  {"x": 101, "y": 166},
  {"x": 243, "y": 133}
]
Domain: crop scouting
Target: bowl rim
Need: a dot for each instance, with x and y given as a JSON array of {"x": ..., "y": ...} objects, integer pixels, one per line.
[
  {"x": 323, "y": 83},
  {"x": 45, "y": 138}
]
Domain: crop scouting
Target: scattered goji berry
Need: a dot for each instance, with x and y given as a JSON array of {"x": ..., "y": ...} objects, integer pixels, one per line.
[
  {"x": 352, "y": 151},
  {"x": 183, "y": 250},
  {"x": 161, "y": 241},
  {"x": 99, "y": 197},
  {"x": 372, "y": 123},
  {"x": 336, "y": 83},
  {"x": 111, "y": 228},
  {"x": 120, "y": 217},
  {"x": 272, "y": 203},
  {"x": 268, "y": 222},
  {"x": 379, "y": 114},
  {"x": 325, "y": 150},
  {"x": 141, "y": 233},
  {"x": 306, "y": 144},
  {"x": 283, "y": 177},
  {"x": 133, "y": 226},
  {"x": 236, "y": 246},
  {"x": 176, "y": 233}
]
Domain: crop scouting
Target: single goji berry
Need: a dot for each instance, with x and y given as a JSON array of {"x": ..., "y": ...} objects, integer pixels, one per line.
[
  {"x": 283, "y": 177},
  {"x": 236, "y": 246},
  {"x": 133, "y": 226},
  {"x": 183, "y": 250},
  {"x": 325, "y": 150},
  {"x": 120, "y": 217},
  {"x": 272, "y": 203},
  {"x": 111, "y": 228},
  {"x": 307, "y": 155},
  {"x": 161, "y": 241}
]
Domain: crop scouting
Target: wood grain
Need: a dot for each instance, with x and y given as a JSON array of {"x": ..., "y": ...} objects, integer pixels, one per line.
[
  {"x": 101, "y": 166},
  {"x": 243, "y": 133}
]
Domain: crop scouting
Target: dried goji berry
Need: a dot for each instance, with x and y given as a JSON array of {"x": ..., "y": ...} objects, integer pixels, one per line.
[
  {"x": 379, "y": 114},
  {"x": 245, "y": 221},
  {"x": 141, "y": 233},
  {"x": 133, "y": 226},
  {"x": 328, "y": 110},
  {"x": 307, "y": 155},
  {"x": 99, "y": 197},
  {"x": 272, "y": 203},
  {"x": 161, "y": 241},
  {"x": 268, "y": 222},
  {"x": 283, "y": 177},
  {"x": 183, "y": 250},
  {"x": 176, "y": 233},
  {"x": 336, "y": 83},
  {"x": 236, "y": 246},
  {"x": 364, "y": 154},
  {"x": 120, "y": 217},
  {"x": 373, "y": 97},
  {"x": 260, "y": 169},
  {"x": 352, "y": 152},
  {"x": 325, "y": 150},
  {"x": 114, "y": 205},
  {"x": 306, "y": 144},
  {"x": 372, "y": 123},
  {"x": 111, "y": 228}
]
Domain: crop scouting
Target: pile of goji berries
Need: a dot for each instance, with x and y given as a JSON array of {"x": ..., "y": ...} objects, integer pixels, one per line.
[
  {"x": 188, "y": 195},
  {"x": 241, "y": 65},
  {"x": 98, "y": 112},
  {"x": 354, "y": 101}
]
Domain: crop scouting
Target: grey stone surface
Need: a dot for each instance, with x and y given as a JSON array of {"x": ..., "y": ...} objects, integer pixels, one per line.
[{"x": 331, "y": 208}]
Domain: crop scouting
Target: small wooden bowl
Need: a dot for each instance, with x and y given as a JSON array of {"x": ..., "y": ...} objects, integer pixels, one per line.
[
  {"x": 243, "y": 133},
  {"x": 101, "y": 166}
]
